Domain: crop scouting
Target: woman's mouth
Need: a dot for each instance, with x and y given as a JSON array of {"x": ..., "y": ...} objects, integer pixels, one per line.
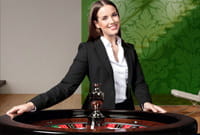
[{"x": 114, "y": 27}]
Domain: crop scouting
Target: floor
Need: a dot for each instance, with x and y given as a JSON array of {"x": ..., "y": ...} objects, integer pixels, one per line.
[{"x": 74, "y": 102}]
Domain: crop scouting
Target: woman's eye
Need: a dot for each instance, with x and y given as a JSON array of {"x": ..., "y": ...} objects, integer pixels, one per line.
[
  {"x": 115, "y": 14},
  {"x": 104, "y": 18}
]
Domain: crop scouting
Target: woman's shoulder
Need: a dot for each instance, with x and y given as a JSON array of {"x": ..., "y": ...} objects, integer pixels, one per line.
[
  {"x": 127, "y": 44},
  {"x": 89, "y": 43}
]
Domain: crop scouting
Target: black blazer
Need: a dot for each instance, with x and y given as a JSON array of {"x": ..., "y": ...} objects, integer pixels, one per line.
[{"x": 92, "y": 60}]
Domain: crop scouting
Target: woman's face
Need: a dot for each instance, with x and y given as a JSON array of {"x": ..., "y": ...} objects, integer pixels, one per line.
[{"x": 108, "y": 21}]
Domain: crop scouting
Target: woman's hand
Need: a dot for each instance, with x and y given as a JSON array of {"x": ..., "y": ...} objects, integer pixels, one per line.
[
  {"x": 154, "y": 108},
  {"x": 20, "y": 109}
]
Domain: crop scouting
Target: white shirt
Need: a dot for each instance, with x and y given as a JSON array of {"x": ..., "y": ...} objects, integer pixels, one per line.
[{"x": 120, "y": 69}]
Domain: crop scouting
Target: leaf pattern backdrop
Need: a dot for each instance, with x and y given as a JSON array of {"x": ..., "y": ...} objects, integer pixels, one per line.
[{"x": 166, "y": 35}]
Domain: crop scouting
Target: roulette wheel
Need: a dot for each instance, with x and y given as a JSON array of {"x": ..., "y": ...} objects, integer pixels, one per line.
[{"x": 75, "y": 122}]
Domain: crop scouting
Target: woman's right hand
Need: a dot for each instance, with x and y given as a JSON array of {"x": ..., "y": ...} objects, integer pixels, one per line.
[{"x": 20, "y": 109}]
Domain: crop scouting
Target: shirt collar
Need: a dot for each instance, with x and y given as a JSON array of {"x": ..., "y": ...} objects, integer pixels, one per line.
[{"x": 107, "y": 43}]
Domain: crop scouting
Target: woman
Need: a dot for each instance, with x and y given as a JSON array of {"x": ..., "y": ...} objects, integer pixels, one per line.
[{"x": 104, "y": 58}]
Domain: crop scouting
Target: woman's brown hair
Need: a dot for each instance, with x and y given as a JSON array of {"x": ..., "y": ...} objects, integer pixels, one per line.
[{"x": 94, "y": 32}]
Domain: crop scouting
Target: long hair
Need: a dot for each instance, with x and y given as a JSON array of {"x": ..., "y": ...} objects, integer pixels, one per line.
[{"x": 94, "y": 32}]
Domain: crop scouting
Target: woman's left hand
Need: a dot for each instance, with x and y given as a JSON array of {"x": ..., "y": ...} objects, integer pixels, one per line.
[{"x": 154, "y": 108}]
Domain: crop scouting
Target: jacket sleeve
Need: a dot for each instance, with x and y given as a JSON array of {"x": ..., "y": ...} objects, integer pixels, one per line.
[
  {"x": 141, "y": 88},
  {"x": 68, "y": 84}
]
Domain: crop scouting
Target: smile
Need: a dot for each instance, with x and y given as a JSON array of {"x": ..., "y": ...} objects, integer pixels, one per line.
[{"x": 113, "y": 27}]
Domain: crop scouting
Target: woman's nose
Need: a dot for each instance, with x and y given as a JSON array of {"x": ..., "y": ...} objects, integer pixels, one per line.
[{"x": 111, "y": 20}]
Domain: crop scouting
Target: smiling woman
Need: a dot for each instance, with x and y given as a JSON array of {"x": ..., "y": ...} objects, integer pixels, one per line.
[{"x": 119, "y": 71}]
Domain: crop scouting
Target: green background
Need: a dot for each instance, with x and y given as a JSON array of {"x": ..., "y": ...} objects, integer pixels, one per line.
[{"x": 166, "y": 35}]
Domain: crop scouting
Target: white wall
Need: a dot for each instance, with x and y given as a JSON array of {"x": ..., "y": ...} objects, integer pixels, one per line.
[{"x": 39, "y": 39}]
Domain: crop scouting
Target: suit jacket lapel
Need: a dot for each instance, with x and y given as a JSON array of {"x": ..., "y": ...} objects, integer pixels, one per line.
[
  {"x": 101, "y": 51},
  {"x": 127, "y": 54}
]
